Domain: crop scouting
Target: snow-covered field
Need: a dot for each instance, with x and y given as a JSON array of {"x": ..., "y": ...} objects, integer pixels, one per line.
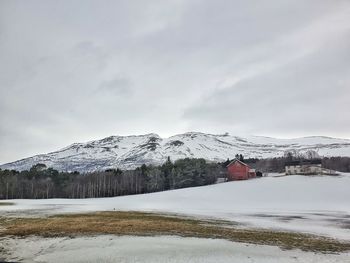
[
  {"x": 170, "y": 249},
  {"x": 317, "y": 204}
]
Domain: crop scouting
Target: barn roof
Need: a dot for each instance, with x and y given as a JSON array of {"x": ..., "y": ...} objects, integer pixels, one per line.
[{"x": 236, "y": 160}]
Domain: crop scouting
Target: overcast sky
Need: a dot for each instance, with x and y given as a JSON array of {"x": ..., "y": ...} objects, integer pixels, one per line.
[{"x": 73, "y": 71}]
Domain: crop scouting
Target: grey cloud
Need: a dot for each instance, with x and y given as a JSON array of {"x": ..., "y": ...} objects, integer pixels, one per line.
[
  {"x": 118, "y": 87},
  {"x": 301, "y": 96},
  {"x": 80, "y": 70}
]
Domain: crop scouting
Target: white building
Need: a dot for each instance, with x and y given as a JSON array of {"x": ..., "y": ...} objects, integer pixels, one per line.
[{"x": 306, "y": 168}]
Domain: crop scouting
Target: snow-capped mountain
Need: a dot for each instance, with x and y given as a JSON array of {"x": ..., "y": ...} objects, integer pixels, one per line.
[{"x": 126, "y": 152}]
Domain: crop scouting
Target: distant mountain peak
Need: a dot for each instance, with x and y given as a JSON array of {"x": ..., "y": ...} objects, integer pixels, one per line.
[{"x": 127, "y": 152}]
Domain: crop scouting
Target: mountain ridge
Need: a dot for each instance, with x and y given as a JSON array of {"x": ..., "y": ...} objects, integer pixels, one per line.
[{"x": 128, "y": 152}]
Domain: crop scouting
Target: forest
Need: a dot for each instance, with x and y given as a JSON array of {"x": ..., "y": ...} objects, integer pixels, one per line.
[{"x": 43, "y": 182}]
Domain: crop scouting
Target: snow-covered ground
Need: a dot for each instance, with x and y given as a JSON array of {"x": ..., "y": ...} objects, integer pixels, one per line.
[
  {"x": 317, "y": 204},
  {"x": 168, "y": 249}
]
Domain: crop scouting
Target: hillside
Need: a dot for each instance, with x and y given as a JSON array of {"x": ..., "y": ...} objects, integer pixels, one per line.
[{"x": 128, "y": 152}]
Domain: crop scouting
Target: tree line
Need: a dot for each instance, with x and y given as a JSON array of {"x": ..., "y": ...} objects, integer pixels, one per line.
[
  {"x": 277, "y": 164},
  {"x": 42, "y": 182}
]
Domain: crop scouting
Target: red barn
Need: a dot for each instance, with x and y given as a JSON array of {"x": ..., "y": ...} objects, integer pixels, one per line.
[{"x": 238, "y": 170}]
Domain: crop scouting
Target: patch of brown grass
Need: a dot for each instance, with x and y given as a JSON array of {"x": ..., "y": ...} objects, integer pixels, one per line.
[
  {"x": 136, "y": 223},
  {"x": 6, "y": 203}
]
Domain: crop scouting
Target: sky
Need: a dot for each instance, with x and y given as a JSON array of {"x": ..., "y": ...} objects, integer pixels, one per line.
[{"x": 74, "y": 71}]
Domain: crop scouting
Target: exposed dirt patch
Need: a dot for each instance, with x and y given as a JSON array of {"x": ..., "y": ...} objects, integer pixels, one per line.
[{"x": 147, "y": 224}]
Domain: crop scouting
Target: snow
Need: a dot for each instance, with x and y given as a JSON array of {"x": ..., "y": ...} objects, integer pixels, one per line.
[
  {"x": 127, "y": 152},
  {"x": 315, "y": 204},
  {"x": 108, "y": 248}
]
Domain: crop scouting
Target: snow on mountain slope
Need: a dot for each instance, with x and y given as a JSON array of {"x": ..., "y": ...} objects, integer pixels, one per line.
[{"x": 128, "y": 152}]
